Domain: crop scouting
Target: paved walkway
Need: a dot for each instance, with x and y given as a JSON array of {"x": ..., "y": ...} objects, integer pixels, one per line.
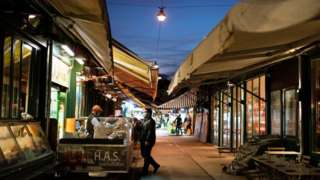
[{"x": 184, "y": 157}]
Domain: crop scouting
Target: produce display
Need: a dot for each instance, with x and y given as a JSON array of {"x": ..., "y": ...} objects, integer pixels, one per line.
[
  {"x": 109, "y": 151},
  {"x": 113, "y": 128}
]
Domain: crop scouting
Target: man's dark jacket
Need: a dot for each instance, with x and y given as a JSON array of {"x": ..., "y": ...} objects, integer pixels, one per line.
[{"x": 148, "y": 132}]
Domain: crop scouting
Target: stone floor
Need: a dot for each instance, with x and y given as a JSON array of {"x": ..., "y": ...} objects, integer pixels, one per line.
[
  {"x": 180, "y": 157},
  {"x": 184, "y": 157}
]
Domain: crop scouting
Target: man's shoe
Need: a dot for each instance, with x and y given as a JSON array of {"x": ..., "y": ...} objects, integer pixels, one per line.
[
  {"x": 144, "y": 173},
  {"x": 156, "y": 169}
]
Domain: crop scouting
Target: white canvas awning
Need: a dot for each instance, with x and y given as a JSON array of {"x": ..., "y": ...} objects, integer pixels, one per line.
[
  {"x": 186, "y": 100},
  {"x": 254, "y": 32},
  {"x": 87, "y": 21}
]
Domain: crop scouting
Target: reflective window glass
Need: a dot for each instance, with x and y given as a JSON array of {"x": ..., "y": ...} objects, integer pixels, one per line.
[{"x": 6, "y": 77}]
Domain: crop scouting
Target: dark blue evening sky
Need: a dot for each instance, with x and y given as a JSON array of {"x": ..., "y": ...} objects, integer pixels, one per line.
[{"x": 134, "y": 24}]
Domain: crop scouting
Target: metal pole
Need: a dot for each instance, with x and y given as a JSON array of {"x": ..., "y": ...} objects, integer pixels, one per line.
[{"x": 300, "y": 105}]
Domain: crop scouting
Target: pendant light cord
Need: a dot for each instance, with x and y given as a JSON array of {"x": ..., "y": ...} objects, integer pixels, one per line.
[
  {"x": 158, "y": 42},
  {"x": 159, "y": 33}
]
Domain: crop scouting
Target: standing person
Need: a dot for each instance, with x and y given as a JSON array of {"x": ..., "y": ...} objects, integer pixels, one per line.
[
  {"x": 187, "y": 122},
  {"x": 147, "y": 141},
  {"x": 166, "y": 121},
  {"x": 178, "y": 125},
  {"x": 137, "y": 127},
  {"x": 93, "y": 120},
  {"x": 162, "y": 121}
]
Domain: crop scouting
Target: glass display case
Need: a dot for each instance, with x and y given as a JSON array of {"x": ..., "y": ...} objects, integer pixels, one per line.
[
  {"x": 109, "y": 150},
  {"x": 21, "y": 143}
]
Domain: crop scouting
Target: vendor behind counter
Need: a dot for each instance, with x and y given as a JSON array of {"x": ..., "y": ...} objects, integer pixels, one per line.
[{"x": 93, "y": 120}]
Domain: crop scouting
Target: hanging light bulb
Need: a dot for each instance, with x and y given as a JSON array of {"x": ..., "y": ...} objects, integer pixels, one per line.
[{"x": 161, "y": 15}]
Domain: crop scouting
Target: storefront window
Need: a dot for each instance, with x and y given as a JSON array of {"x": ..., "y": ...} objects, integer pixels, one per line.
[
  {"x": 290, "y": 113},
  {"x": 226, "y": 120},
  {"x": 25, "y": 76},
  {"x": 256, "y": 121},
  {"x": 215, "y": 122},
  {"x": 249, "y": 110},
  {"x": 276, "y": 112},
  {"x": 15, "y": 78},
  {"x": 316, "y": 104},
  {"x": 6, "y": 77},
  {"x": 237, "y": 116}
]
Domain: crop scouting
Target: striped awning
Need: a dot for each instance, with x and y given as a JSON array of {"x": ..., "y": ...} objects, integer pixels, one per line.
[{"x": 186, "y": 100}]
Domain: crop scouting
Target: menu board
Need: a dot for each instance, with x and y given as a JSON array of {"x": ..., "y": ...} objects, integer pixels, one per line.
[{"x": 10, "y": 151}]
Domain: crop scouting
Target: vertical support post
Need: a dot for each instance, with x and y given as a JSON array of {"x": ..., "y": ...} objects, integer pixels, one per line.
[
  {"x": 268, "y": 102},
  {"x": 230, "y": 104},
  {"x": 300, "y": 103},
  {"x": 209, "y": 137},
  {"x": 304, "y": 104},
  {"x": 48, "y": 84},
  {"x": 245, "y": 114}
]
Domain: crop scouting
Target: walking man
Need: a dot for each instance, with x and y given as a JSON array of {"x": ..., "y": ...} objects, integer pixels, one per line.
[
  {"x": 147, "y": 141},
  {"x": 178, "y": 125}
]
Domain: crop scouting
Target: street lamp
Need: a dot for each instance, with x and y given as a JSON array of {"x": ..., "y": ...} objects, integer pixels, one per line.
[{"x": 161, "y": 15}]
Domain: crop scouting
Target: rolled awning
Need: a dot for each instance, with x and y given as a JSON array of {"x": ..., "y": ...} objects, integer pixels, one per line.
[
  {"x": 132, "y": 71},
  {"x": 87, "y": 21},
  {"x": 252, "y": 33}
]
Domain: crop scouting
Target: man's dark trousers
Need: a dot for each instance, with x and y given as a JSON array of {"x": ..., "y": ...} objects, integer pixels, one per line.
[{"x": 146, "y": 154}]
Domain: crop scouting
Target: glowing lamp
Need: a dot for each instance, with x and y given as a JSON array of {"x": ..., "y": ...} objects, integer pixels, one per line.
[{"x": 161, "y": 15}]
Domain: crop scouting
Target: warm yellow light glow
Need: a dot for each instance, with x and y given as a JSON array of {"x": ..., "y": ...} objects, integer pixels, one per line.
[
  {"x": 161, "y": 15},
  {"x": 70, "y": 125}
]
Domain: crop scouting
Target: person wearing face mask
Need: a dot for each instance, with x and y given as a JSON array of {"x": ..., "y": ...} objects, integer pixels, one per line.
[{"x": 93, "y": 120}]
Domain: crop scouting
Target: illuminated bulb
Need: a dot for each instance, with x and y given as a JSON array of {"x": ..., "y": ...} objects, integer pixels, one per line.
[
  {"x": 161, "y": 15},
  {"x": 109, "y": 96},
  {"x": 31, "y": 16}
]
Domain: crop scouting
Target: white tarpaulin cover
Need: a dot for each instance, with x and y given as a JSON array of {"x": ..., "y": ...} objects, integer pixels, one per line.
[
  {"x": 87, "y": 21},
  {"x": 254, "y": 32}
]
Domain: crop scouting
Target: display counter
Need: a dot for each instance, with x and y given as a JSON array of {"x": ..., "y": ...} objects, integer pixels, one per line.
[
  {"x": 23, "y": 146},
  {"x": 109, "y": 151}
]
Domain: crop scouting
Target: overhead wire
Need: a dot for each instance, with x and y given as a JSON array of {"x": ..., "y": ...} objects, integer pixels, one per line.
[{"x": 176, "y": 7}]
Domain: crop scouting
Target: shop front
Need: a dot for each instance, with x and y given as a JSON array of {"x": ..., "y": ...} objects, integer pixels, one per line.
[
  {"x": 260, "y": 105},
  {"x": 24, "y": 149}
]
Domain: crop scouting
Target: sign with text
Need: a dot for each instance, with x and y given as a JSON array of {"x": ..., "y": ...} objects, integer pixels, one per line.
[
  {"x": 84, "y": 158},
  {"x": 60, "y": 72}
]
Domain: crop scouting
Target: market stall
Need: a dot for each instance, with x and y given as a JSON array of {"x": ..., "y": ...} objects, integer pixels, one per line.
[{"x": 108, "y": 152}]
